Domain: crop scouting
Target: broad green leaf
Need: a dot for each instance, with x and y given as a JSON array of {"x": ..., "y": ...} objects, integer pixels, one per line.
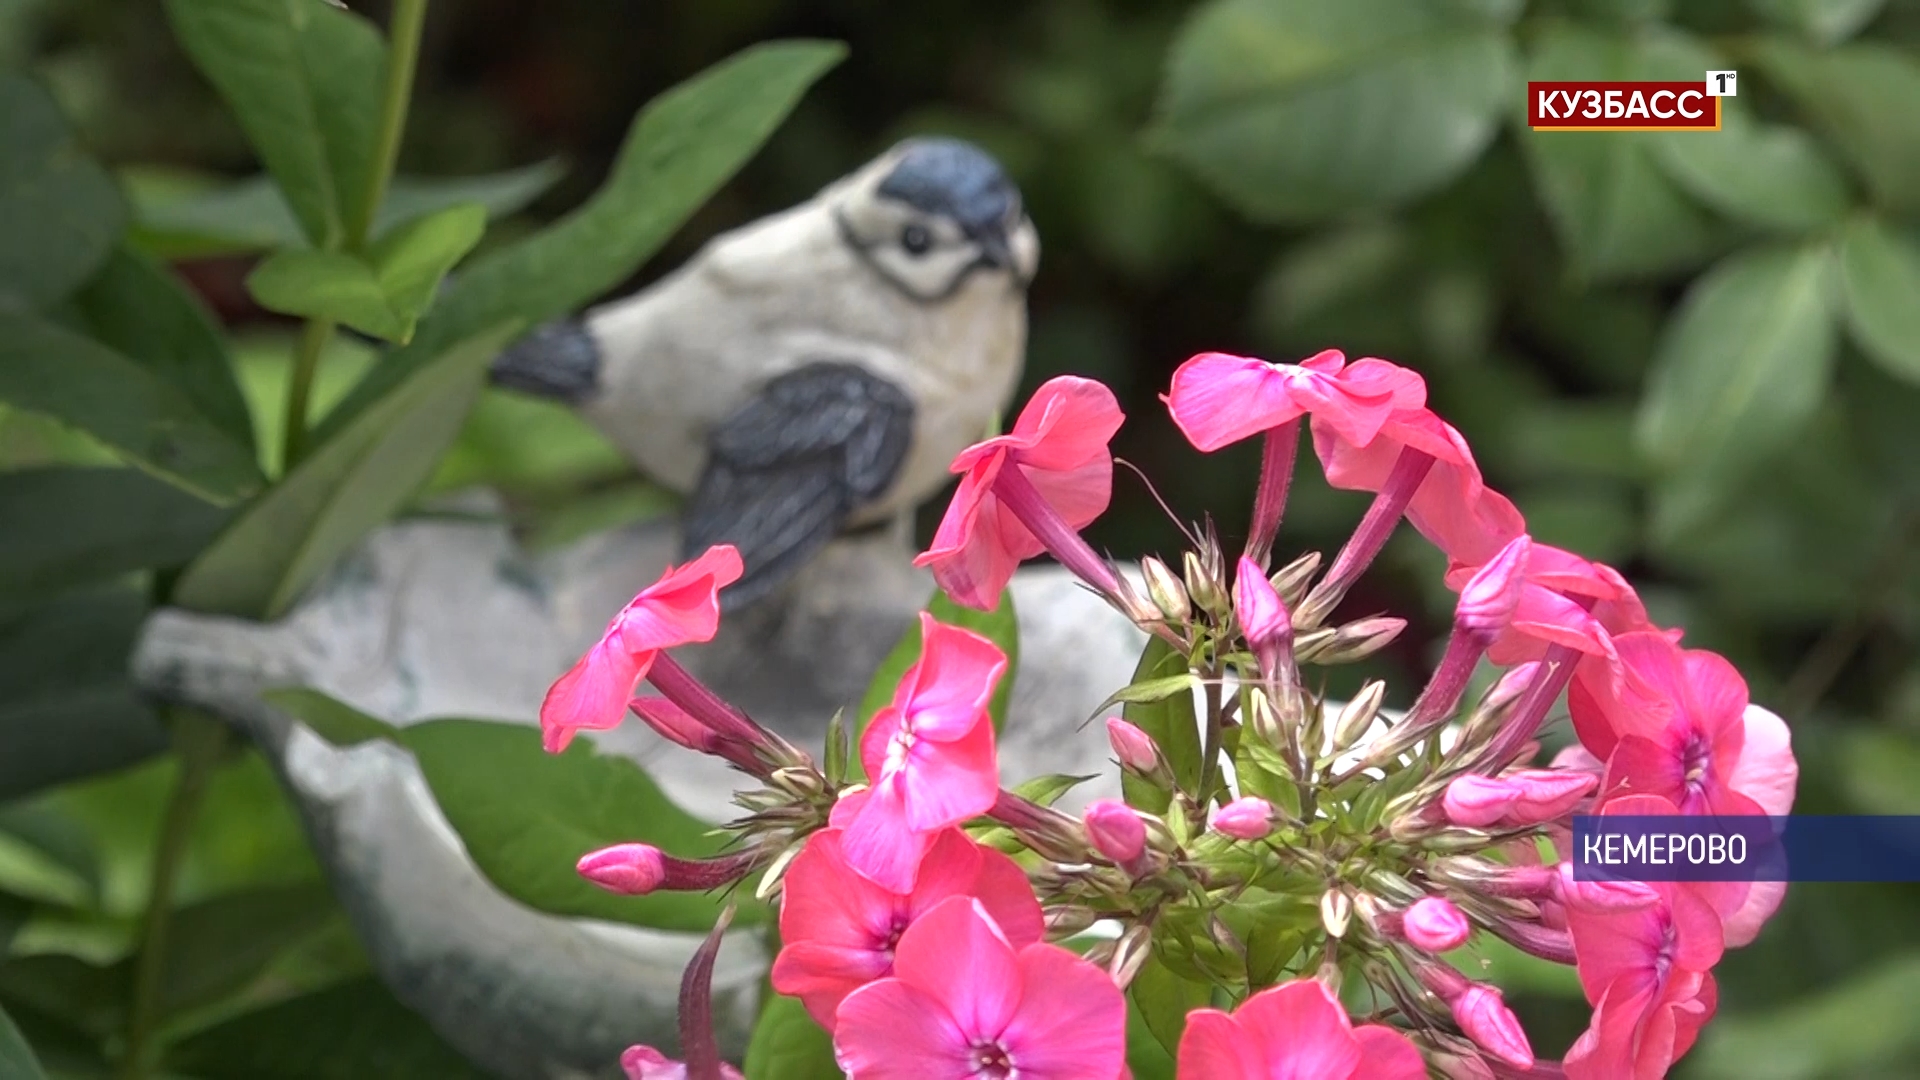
[
  {"x": 59, "y": 840},
  {"x": 136, "y": 306},
  {"x": 303, "y": 79},
  {"x": 1296, "y": 110},
  {"x": 1000, "y": 626},
  {"x": 1049, "y": 789},
  {"x": 251, "y": 215},
  {"x": 284, "y": 540},
  {"x": 1743, "y": 365},
  {"x": 123, "y": 403},
  {"x": 1824, "y": 22},
  {"x": 1769, "y": 175},
  {"x": 382, "y": 293},
  {"x": 219, "y": 947},
  {"x": 1880, "y": 269},
  {"x": 562, "y": 806},
  {"x": 59, "y": 211},
  {"x": 86, "y": 996},
  {"x": 529, "y": 445},
  {"x": 1146, "y": 1058},
  {"x": 354, "y": 1031},
  {"x": 16, "y": 1057},
  {"x": 1863, "y": 98},
  {"x": 788, "y": 1045},
  {"x": 67, "y": 708},
  {"x": 14, "y": 913},
  {"x": 1164, "y": 999},
  {"x": 1616, "y": 211},
  {"x": 681, "y": 148},
  {"x": 1863, "y": 1027},
  {"x": 1171, "y": 721},
  {"x": 71, "y": 526}
]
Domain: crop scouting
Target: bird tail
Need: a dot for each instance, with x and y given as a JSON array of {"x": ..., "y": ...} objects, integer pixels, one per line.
[{"x": 558, "y": 359}]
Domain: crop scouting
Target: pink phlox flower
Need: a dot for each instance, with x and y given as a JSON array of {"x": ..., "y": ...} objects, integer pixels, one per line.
[
  {"x": 1218, "y": 399},
  {"x": 681, "y": 608},
  {"x": 646, "y": 1063},
  {"x": 838, "y": 931},
  {"x": 930, "y": 755},
  {"x": 1295, "y": 1031},
  {"x": 964, "y": 1003},
  {"x": 1059, "y": 443},
  {"x": 1522, "y": 798}
]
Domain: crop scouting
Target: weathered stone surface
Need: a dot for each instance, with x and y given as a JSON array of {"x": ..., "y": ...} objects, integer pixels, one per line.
[{"x": 446, "y": 618}]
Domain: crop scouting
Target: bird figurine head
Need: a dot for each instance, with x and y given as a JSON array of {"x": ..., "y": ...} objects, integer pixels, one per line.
[{"x": 931, "y": 214}]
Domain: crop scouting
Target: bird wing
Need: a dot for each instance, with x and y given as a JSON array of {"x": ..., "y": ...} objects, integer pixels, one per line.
[{"x": 787, "y": 469}]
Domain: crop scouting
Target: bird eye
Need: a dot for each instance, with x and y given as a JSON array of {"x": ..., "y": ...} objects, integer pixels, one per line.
[{"x": 915, "y": 239}]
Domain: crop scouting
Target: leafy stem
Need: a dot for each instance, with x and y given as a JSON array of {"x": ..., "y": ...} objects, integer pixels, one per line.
[
  {"x": 306, "y": 362},
  {"x": 201, "y": 740}
]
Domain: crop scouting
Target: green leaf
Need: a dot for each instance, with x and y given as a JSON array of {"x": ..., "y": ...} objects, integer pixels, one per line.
[
  {"x": 16, "y": 1057},
  {"x": 788, "y": 1045},
  {"x": 136, "y": 306},
  {"x": 382, "y": 293},
  {"x": 354, "y": 1031},
  {"x": 1616, "y": 211},
  {"x": 1164, "y": 1000},
  {"x": 290, "y": 535},
  {"x": 1047, "y": 790},
  {"x": 1295, "y": 110},
  {"x": 1170, "y": 721},
  {"x": 303, "y": 79},
  {"x": 562, "y": 806},
  {"x": 1863, "y": 1027},
  {"x": 251, "y": 215},
  {"x": 681, "y": 148},
  {"x": 59, "y": 211},
  {"x": 72, "y": 526},
  {"x": 58, "y": 839},
  {"x": 1824, "y": 22},
  {"x": 89, "y": 997},
  {"x": 1879, "y": 765},
  {"x": 1863, "y": 98},
  {"x": 14, "y": 913},
  {"x": 1148, "y": 691},
  {"x": 1880, "y": 270},
  {"x": 1146, "y": 1058},
  {"x": 123, "y": 403},
  {"x": 1743, "y": 365},
  {"x": 1000, "y": 626},
  {"x": 1769, "y": 175},
  {"x": 219, "y": 947},
  {"x": 67, "y": 708}
]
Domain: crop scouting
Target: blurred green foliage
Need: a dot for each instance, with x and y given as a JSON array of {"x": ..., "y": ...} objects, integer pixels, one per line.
[{"x": 1693, "y": 355}]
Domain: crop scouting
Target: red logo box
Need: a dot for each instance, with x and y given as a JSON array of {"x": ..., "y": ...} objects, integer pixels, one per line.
[{"x": 1621, "y": 106}]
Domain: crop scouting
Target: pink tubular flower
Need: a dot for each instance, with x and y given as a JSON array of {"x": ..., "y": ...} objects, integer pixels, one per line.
[
  {"x": 964, "y": 1002},
  {"x": 1027, "y": 492},
  {"x": 1483, "y": 1015},
  {"x": 1520, "y": 798},
  {"x": 1249, "y": 817},
  {"x": 930, "y": 754},
  {"x": 1133, "y": 747},
  {"x": 1262, "y": 615},
  {"x": 839, "y": 931},
  {"x": 1295, "y": 1031},
  {"x": 646, "y": 1063},
  {"x": 1218, "y": 399},
  {"x": 639, "y": 869},
  {"x": 681, "y": 608},
  {"x": 1116, "y": 831},
  {"x": 1433, "y": 923}
]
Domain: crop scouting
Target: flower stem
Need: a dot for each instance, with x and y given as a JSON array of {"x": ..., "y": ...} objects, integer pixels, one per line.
[
  {"x": 1017, "y": 493},
  {"x": 306, "y": 362},
  {"x": 403, "y": 56},
  {"x": 1278, "y": 448},
  {"x": 1409, "y": 471},
  {"x": 201, "y": 741}
]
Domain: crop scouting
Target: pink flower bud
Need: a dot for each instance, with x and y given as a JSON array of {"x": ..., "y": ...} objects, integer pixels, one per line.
[
  {"x": 1478, "y": 801},
  {"x": 1132, "y": 746},
  {"x": 1247, "y": 818},
  {"x": 1436, "y": 925},
  {"x": 632, "y": 869},
  {"x": 1489, "y": 597},
  {"x": 1511, "y": 685},
  {"x": 646, "y": 1063},
  {"x": 675, "y": 724},
  {"x": 1547, "y": 794},
  {"x": 1485, "y": 1018},
  {"x": 1261, "y": 613},
  {"x": 1602, "y": 897},
  {"x": 1116, "y": 832}
]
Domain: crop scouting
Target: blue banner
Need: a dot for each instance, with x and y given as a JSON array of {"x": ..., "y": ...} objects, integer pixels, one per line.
[{"x": 1795, "y": 848}]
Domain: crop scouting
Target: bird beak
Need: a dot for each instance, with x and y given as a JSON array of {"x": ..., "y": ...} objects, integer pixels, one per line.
[{"x": 996, "y": 251}]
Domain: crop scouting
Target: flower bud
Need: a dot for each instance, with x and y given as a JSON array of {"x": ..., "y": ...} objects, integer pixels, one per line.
[
  {"x": 1524, "y": 797},
  {"x": 1485, "y": 1018},
  {"x": 1292, "y": 579},
  {"x": 1130, "y": 954},
  {"x": 1164, "y": 587},
  {"x": 1436, "y": 925},
  {"x": 1206, "y": 592},
  {"x": 1132, "y": 746},
  {"x": 1262, "y": 616},
  {"x": 1065, "y": 922},
  {"x": 629, "y": 869},
  {"x": 675, "y": 724},
  {"x": 1489, "y": 597},
  {"x": 1336, "y": 912},
  {"x": 1356, "y": 640},
  {"x": 1116, "y": 831},
  {"x": 1247, "y": 818},
  {"x": 1357, "y": 715},
  {"x": 1601, "y": 897}
]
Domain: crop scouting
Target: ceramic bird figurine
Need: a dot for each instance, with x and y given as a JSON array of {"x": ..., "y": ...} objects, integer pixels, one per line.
[{"x": 817, "y": 370}]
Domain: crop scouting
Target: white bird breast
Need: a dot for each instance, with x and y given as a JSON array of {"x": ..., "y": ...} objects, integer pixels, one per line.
[{"x": 786, "y": 291}]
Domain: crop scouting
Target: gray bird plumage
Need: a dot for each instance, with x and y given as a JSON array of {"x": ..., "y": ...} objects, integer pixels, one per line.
[{"x": 817, "y": 369}]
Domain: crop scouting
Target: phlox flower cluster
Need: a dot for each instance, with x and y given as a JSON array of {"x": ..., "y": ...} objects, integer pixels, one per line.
[{"x": 1278, "y": 853}]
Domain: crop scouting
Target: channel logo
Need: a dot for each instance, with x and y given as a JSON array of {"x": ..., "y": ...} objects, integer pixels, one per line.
[{"x": 1609, "y": 105}]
